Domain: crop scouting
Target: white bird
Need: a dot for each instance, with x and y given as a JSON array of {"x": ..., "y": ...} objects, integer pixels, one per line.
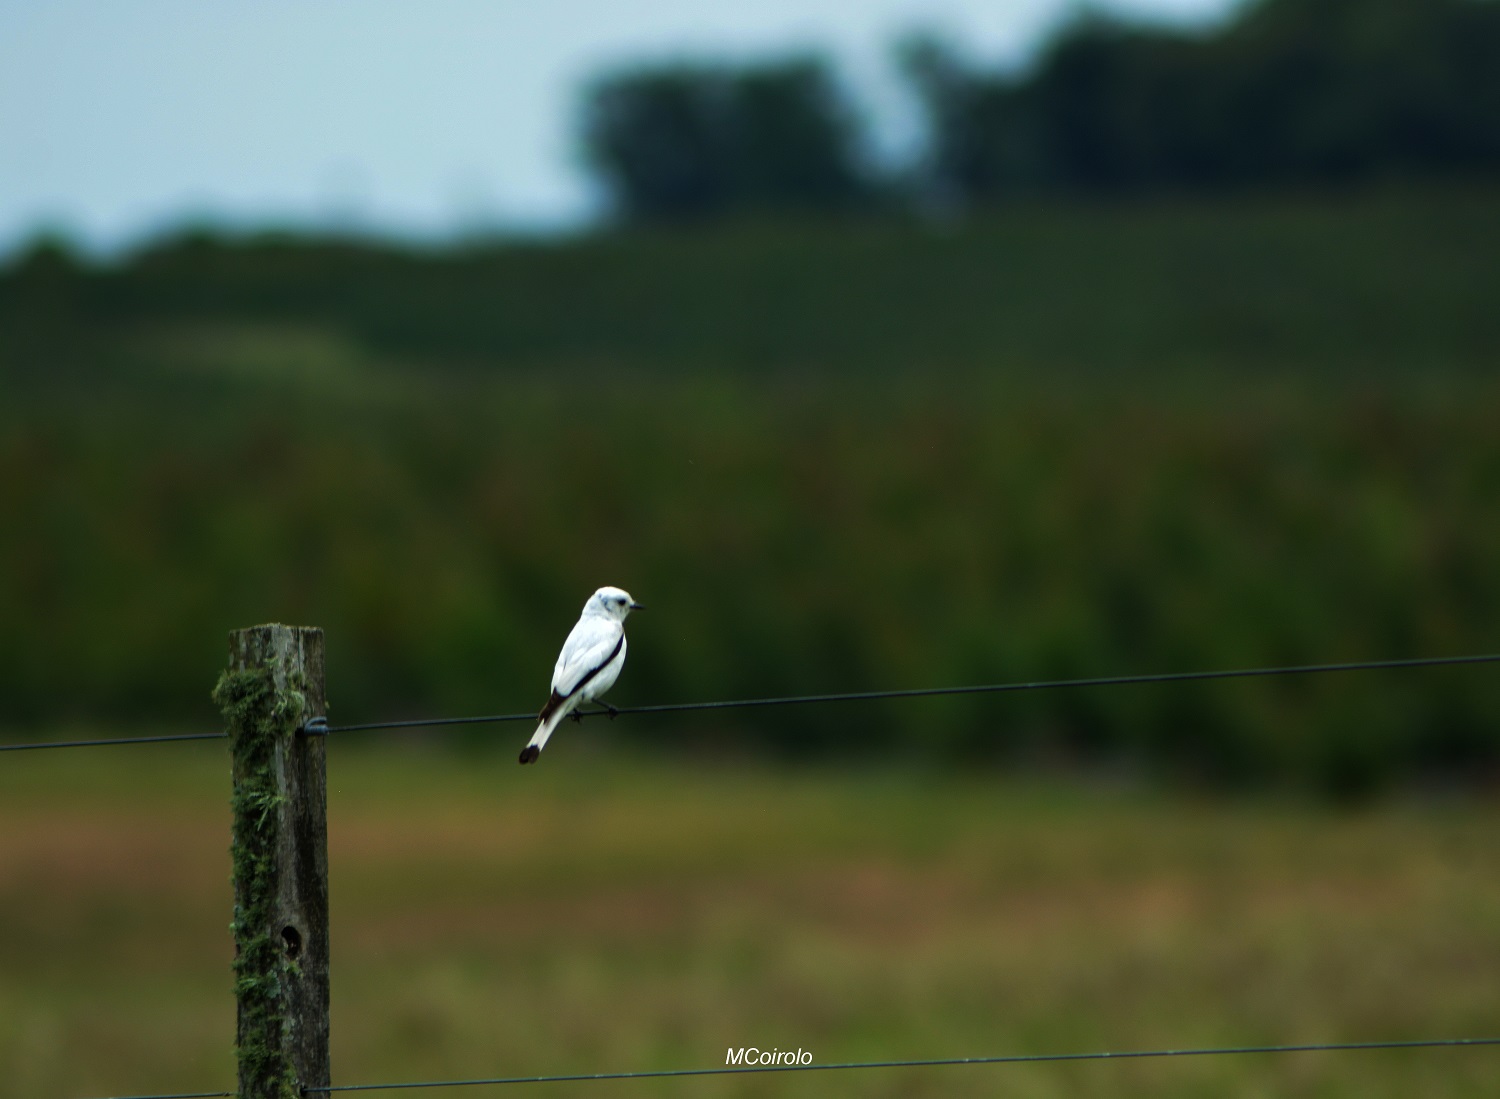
[{"x": 588, "y": 665}]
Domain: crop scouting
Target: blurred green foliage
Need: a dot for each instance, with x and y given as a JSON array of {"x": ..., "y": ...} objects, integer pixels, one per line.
[{"x": 1056, "y": 442}]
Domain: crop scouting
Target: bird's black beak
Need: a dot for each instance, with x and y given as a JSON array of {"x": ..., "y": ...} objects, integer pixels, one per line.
[{"x": 636, "y": 607}]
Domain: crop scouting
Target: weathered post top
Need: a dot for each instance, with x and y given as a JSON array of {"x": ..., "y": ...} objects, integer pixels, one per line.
[{"x": 273, "y": 685}]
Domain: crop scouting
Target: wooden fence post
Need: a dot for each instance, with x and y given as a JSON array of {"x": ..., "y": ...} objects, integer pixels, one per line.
[{"x": 273, "y": 686}]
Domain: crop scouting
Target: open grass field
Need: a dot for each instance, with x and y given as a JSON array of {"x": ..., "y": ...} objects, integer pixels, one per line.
[{"x": 604, "y": 913}]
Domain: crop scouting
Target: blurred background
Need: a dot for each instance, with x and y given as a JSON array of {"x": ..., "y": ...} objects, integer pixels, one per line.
[{"x": 871, "y": 345}]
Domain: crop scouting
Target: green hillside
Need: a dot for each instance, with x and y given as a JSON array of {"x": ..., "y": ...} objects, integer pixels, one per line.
[{"x": 1381, "y": 281}]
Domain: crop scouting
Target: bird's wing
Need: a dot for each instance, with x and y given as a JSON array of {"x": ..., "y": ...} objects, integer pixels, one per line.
[{"x": 592, "y": 644}]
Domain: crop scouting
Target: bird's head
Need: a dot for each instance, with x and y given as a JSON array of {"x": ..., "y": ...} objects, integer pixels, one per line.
[{"x": 612, "y": 603}]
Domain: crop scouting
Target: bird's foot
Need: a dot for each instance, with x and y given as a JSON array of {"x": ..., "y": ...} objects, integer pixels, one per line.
[{"x": 613, "y": 713}]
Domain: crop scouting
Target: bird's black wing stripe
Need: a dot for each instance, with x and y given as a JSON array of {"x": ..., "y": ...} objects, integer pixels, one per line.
[
  {"x": 598, "y": 667},
  {"x": 553, "y": 702}
]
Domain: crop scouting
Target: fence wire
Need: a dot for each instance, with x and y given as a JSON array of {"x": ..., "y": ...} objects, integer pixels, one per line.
[
  {"x": 1012, "y": 1059},
  {"x": 930, "y": 692},
  {"x": 181, "y": 1095},
  {"x": 936, "y": 1062},
  {"x": 320, "y": 726}
]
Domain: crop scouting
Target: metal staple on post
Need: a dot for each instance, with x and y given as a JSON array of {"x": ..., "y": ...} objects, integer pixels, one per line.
[{"x": 271, "y": 690}]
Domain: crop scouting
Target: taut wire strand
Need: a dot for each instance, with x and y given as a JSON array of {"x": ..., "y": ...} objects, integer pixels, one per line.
[
  {"x": 106, "y": 742},
  {"x": 1013, "y": 1059},
  {"x": 928, "y": 692},
  {"x": 804, "y": 700}
]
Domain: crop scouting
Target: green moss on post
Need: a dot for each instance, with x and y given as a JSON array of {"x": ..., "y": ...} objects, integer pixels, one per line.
[{"x": 280, "y": 859}]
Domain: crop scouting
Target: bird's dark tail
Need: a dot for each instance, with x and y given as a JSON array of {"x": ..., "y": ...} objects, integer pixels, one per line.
[{"x": 556, "y": 709}]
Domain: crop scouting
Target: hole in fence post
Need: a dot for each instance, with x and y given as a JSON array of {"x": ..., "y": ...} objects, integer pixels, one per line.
[{"x": 291, "y": 939}]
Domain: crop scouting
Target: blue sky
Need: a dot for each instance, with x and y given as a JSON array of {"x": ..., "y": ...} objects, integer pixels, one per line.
[{"x": 119, "y": 120}]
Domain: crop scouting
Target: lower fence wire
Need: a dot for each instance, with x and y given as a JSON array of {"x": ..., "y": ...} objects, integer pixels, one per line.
[
  {"x": 1013, "y": 1059},
  {"x": 939, "y": 1062}
]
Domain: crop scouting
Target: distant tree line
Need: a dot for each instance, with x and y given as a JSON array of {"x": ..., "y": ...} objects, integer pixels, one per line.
[
  {"x": 1290, "y": 92},
  {"x": 693, "y": 139}
]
